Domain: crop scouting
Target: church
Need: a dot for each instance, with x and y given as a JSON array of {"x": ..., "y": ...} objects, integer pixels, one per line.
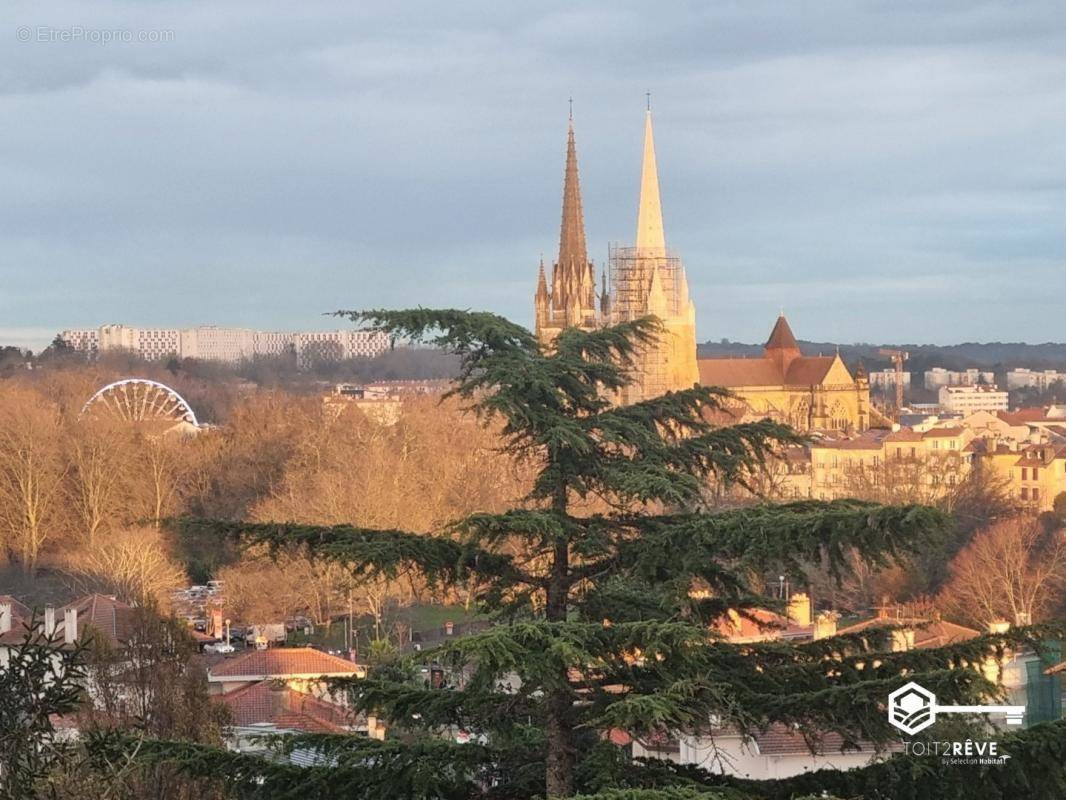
[{"x": 648, "y": 279}]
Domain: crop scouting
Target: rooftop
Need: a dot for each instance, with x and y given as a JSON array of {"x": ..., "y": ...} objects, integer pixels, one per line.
[{"x": 284, "y": 662}]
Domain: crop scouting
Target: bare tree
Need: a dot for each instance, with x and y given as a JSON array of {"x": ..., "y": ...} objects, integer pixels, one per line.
[
  {"x": 133, "y": 564},
  {"x": 1011, "y": 570},
  {"x": 32, "y": 470},
  {"x": 99, "y": 459}
]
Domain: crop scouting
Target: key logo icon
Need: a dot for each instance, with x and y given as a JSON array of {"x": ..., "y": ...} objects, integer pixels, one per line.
[{"x": 913, "y": 708}]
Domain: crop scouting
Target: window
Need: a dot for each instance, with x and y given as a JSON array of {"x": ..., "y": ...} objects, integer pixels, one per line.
[
  {"x": 1036, "y": 473},
  {"x": 914, "y": 452},
  {"x": 1025, "y": 473},
  {"x": 1025, "y": 493},
  {"x": 1036, "y": 493}
]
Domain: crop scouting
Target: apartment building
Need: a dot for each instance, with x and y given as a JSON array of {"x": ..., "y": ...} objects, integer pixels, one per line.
[
  {"x": 969, "y": 399},
  {"x": 938, "y": 377},
  {"x": 1040, "y": 380},
  {"x": 887, "y": 378},
  {"x": 930, "y": 463},
  {"x": 230, "y": 345}
]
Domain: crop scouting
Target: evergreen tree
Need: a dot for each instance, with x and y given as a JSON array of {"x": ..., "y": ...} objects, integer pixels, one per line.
[{"x": 605, "y": 585}]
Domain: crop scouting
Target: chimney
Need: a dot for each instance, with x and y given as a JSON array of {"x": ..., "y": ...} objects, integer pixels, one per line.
[
  {"x": 70, "y": 625},
  {"x": 49, "y": 621},
  {"x": 902, "y": 640},
  {"x": 825, "y": 625},
  {"x": 6, "y": 611},
  {"x": 799, "y": 609},
  {"x": 449, "y": 628}
]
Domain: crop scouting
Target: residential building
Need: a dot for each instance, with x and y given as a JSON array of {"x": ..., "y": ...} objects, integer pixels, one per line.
[
  {"x": 938, "y": 377},
  {"x": 968, "y": 399},
  {"x": 1040, "y": 380},
  {"x": 929, "y": 463},
  {"x": 1038, "y": 475},
  {"x": 888, "y": 378}
]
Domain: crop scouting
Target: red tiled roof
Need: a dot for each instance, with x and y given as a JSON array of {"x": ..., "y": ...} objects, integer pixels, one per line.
[
  {"x": 283, "y": 662},
  {"x": 904, "y": 435},
  {"x": 1023, "y": 415},
  {"x": 936, "y": 633},
  {"x": 781, "y": 337},
  {"x": 943, "y": 433},
  {"x": 274, "y": 702},
  {"x": 781, "y": 740},
  {"x": 808, "y": 370},
  {"x": 731, "y": 372},
  {"x": 108, "y": 616}
]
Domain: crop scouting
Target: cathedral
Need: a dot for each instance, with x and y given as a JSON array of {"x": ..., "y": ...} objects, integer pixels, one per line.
[
  {"x": 644, "y": 280},
  {"x": 648, "y": 279}
]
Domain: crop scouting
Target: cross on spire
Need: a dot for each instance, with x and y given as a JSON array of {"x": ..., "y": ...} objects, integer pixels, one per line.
[
  {"x": 571, "y": 108},
  {"x": 647, "y": 100}
]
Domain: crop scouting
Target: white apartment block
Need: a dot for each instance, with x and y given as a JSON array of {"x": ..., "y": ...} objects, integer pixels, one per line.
[
  {"x": 886, "y": 378},
  {"x": 231, "y": 345},
  {"x": 970, "y": 399},
  {"x": 938, "y": 377},
  {"x": 1022, "y": 378},
  {"x": 337, "y": 345}
]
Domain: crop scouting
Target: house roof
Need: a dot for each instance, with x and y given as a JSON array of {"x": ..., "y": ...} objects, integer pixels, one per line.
[
  {"x": 927, "y": 633},
  {"x": 943, "y": 433},
  {"x": 1024, "y": 415},
  {"x": 904, "y": 435},
  {"x": 105, "y": 615},
  {"x": 110, "y": 617},
  {"x": 275, "y": 703},
  {"x": 782, "y": 740},
  {"x": 868, "y": 440},
  {"x": 283, "y": 662}
]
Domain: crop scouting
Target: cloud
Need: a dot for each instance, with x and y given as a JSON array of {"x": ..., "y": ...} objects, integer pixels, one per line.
[{"x": 868, "y": 163}]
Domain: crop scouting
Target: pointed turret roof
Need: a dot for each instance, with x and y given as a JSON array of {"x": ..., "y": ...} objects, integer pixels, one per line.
[
  {"x": 573, "y": 253},
  {"x": 650, "y": 235},
  {"x": 782, "y": 346},
  {"x": 781, "y": 337}
]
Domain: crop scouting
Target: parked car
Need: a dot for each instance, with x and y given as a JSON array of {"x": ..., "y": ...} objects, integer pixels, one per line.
[{"x": 222, "y": 648}]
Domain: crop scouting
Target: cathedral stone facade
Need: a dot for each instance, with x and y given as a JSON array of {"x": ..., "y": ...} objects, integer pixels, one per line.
[
  {"x": 648, "y": 279},
  {"x": 805, "y": 392}
]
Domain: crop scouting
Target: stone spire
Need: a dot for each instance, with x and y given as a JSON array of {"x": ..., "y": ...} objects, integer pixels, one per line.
[
  {"x": 573, "y": 253},
  {"x": 650, "y": 235}
]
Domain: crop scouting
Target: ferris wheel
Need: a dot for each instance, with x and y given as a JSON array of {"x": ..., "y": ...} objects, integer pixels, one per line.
[{"x": 140, "y": 400}]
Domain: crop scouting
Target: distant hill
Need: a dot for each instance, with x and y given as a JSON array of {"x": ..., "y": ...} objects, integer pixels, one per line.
[{"x": 995, "y": 356}]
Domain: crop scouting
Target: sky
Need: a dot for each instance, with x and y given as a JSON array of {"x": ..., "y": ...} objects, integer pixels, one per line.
[{"x": 882, "y": 171}]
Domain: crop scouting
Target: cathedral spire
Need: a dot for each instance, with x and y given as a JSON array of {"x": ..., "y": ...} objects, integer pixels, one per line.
[
  {"x": 573, "y": 254},
  {"x": 650, "y": 234}
]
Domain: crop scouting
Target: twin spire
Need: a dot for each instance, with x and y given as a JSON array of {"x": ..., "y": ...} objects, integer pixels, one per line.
[
  {"x": 569, "y": 296},
  {"x": 573, "y": 252},
  {"x": 650, "y": 236}
]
